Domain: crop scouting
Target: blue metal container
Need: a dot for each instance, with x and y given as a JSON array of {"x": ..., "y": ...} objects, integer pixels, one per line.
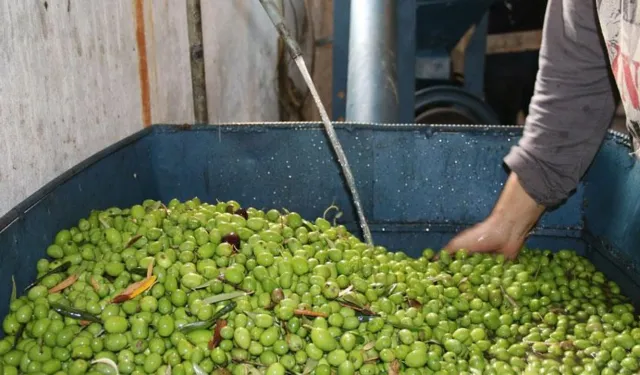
[{"x": 420, "y": 185}]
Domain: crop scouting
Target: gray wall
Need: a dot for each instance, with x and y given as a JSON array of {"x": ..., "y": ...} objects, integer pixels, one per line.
[{"x": 73, "y": 78}]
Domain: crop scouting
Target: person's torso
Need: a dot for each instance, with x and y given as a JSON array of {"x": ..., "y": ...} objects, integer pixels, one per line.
[{"x": 620, "y": 23}]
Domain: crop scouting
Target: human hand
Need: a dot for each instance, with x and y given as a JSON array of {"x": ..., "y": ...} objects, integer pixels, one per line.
[
  {"x": 491, "y": 235},
  {"x": 506, "y": 228}
]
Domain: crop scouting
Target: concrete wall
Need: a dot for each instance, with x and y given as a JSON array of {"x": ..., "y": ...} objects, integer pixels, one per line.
[
  {"x": 240, "y": 51},
  {"x": 77, "y": 76}
]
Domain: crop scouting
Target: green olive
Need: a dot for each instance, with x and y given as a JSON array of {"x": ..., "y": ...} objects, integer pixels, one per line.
[
  {"x": 115, "y": 324},
  {"x": 295, "y": 291}
]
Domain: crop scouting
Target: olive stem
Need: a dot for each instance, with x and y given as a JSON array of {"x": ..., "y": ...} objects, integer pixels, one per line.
[
  {"x": 104, "y": 223},
  {"x": 222, "y": 278},
  {"x": 508, "y": 297}
]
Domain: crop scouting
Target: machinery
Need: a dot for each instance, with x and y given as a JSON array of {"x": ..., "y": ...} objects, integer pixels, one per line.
[{"x": 410, "y": 43}]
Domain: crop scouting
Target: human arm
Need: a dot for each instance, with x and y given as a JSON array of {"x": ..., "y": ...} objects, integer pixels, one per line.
[{"x": 569, "y": 114}]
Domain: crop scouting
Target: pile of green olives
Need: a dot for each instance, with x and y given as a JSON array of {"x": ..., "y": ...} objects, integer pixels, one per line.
[{"x": 198, "y": 288}]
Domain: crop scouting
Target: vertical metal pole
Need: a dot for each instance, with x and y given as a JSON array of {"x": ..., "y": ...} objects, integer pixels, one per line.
[
  {"x": 196, "y": 52},
  {"x": 372, "y": 85}
]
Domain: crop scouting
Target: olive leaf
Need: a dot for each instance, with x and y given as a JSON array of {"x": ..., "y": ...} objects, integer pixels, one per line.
[
  {"x": 204, "y": 285},
  {"x": 133, "y": 240},
  {"x": 370, "y": 345},
  {"x": 224, "y": 297},
  {"x": 309, "y": 366}
]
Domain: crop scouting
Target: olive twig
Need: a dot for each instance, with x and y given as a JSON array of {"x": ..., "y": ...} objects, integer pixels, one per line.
[
  {"x": 315, "y": 314},
  {"x": 331, "y": 207},
  {"x": 224, "y": 280},
  {"x": 558, "y": 310},
  {"x": 335, "y": 218},
  {"x": 535, "y": 277},
  {"x": 364, "y": 310},
  {"x": 18, "y": 335},
  {"x": 508, "y": 297},
  {"x": 104, "y": 223},
  {"x": 538, "y": 315}
]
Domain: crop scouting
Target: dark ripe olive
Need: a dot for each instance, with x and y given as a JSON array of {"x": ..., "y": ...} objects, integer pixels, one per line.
[
  {"x": 232, "y": 239},
  {"x": 242, "y": 212},
  {"x": 277, "y": 295}
]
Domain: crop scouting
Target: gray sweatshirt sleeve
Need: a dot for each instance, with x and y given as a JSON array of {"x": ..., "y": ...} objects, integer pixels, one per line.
[{"x": 572, "y": 106}]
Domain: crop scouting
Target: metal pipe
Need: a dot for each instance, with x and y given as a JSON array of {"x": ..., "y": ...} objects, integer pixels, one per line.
[
  {"x": 278, "y": 21},
  {"x": 296, "y": 53},
  {"x": 372, "y": 84}
]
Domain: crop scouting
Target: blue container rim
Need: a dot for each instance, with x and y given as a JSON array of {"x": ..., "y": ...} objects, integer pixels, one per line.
[{"x": 17, "y": 212}]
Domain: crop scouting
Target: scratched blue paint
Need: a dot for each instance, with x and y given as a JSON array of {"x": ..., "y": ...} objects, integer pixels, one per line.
[{"x": 419, "y": 184}]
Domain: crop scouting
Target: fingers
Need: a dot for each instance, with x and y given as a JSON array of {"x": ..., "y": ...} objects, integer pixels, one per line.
[
  {"x": 487, "y": 237},
  {"x": 475, "y": 240},
  {"x": 511, "y": 250}
]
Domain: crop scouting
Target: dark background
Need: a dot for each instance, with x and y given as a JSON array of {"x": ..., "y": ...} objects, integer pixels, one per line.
[{"x": 510, "y": 78}]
